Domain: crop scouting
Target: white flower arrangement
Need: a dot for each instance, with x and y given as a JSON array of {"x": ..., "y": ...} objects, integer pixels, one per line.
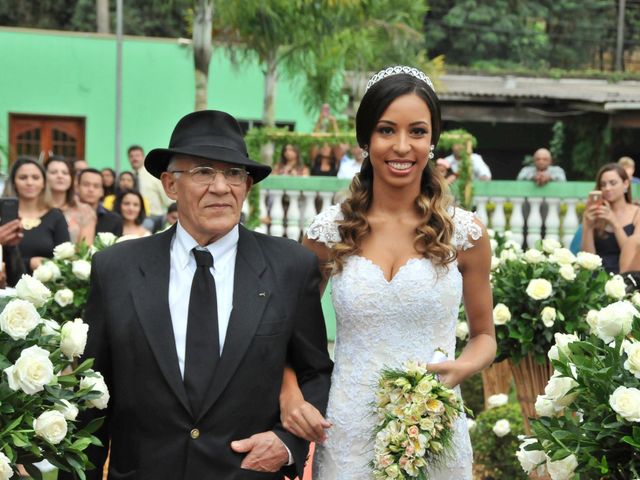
[{"x": 415, "y": 428}]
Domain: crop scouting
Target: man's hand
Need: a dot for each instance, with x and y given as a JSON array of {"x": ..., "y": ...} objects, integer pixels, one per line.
[{"x": 265, "y": 452}]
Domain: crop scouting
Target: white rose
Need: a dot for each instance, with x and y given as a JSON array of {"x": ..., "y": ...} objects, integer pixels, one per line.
[
  {"x": 567, "y": 272},
  {"x": 592, "y": 320},
  {"x": 550, "y": 244},
  {"x": 589, "y": 261},
  {"x": 106, "y": 238},
  {"x": 51, "y": 425},
  {"x": 539, "y": 289},
  {"x": 531, "y": 460},
  {"x": 534, "y": 256},
  {"x": 495, "y": 262},
  {"x": 615, "y": 319},
  {"x": 63, "y": 297},
  {"x": 31, "y": 372},
  {"x": 491, "y": 232},
  {"x": 502, "y": 428},
  {"x": 615, "y": 287},
  {"x": 64, "y": 250},
  {"x": 50, "y": 327},
  {"x": 632, "y": 363},
  {"x": 6, "y": 471},
  {"x": 68, "y": 409},
  {"x": 562, "y": 345},
  {"x": 497, "y": 400},
  {"x": 562, "y": 469},
  {"x": 545, "y": 407},
  {"x": 512, "y": 245},
  {"x": 96, "y": 383},
  {"x": 501, "y": 314},
  {"x": 73, "y": 338},
  {"x": 548, "y": 316},
  {"x": 562, "y": 256},
  {"x": 635, "y": 298},
  {"x": 44, "y": 273},
  {"x": 471, "y": 424},
  {"x": 508, "y": 255},
  {"x": 508, "y": 234},
  {"x": 493, "y": 244},
  {"x": 557, "y": 390},
  {"x": 626, "y": 403},
  {"x": 462, "y": 330},
  {"x": 32, "y": 290},
  {"x": 81, "y": 269},
  {"x": 19, "y": 318}
]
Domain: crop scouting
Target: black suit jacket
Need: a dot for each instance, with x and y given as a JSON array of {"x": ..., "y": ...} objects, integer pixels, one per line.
[
  {"x": 108, "y": 222},
  {"x": 276, "y": 319}
]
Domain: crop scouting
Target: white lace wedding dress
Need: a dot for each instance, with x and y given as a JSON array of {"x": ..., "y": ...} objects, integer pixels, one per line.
[{"x": 384, "y": 323}]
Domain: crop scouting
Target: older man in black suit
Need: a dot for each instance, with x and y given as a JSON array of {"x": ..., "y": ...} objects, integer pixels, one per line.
[{"x": 192, "y": 327}]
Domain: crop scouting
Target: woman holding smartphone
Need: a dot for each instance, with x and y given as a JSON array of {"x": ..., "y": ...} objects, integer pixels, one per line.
[{"x": 609, "y": 220}]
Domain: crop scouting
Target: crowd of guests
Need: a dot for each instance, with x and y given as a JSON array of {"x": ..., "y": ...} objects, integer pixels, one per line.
[{"x": 68, "y": 200}]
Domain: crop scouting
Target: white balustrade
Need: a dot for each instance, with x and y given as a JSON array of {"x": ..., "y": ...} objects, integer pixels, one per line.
[
  {"x": 570, "y": 222},
  {"x": 534, "y": 221},
  {"x": 498, "y": 219},
  {"x": 481, "y": 209},
  {"x": 552, "y": 222},
  {"x": 516, "y": 222}
]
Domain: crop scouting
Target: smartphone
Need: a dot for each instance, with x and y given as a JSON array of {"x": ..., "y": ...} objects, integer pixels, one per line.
[
  {"x": 8, "y": 210},
  {"x": 595, "y": 197}
]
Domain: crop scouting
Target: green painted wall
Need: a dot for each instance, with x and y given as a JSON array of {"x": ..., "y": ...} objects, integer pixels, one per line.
[{"x": 63, "y": 73}]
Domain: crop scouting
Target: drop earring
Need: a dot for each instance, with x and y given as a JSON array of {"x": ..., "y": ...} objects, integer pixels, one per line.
[{"x": 431, "y": 155}]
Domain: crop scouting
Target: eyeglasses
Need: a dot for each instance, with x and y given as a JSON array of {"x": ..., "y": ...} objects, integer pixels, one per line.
[{"x": 207, "y": 175}]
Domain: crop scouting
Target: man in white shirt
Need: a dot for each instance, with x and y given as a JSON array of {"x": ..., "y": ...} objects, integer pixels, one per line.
[
  {"x": 351, "y": 164},
  {"x": 149, "y": 186},
  {"x": 542, "y": 171},
  {"x": 192, "y": 327},
  {"x": 480, "y": 169}
]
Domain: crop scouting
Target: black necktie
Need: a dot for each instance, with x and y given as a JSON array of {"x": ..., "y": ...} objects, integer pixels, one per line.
[{"x": 203, "y": 346}]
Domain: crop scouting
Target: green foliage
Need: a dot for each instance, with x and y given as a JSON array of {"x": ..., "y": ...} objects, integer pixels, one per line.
[
  {"x": 556, "y": 144},
  {"x": 590, "y": 140},
  {"x": 605, "y": 444},
  {"x": 496, "y": 455},
  {"x": 473, "y": 393}
]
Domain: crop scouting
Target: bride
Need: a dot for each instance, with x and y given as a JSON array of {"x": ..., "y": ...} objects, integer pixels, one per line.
[{"x": 400, "y": 257}]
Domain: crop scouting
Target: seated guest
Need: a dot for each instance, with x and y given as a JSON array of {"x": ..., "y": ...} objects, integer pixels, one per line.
[
  {"x": 90, "y": 192},
  {"x": 80, "y": 217},
  {"x": 629, "y": 166},
  {"x": 290, "y": 163},
  {"x": 44, "y": 227},
  {"x": 126, "y": 181},
  {"x": 542, "y": 171},
  {"x": 350, "y": 164},
  {"x": 480, "y": 169},
  {"x": 108, "y": 181},
  {"x": 325, "y": 162},
  {"x": 129, "y": 206},
  {"x": 12, "y": 267}
]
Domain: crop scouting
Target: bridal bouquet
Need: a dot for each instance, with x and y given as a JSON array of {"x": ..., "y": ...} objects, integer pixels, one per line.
[
  {"x": 42, "y": 390},
  {"x": 67, "y": 275},
  {"x": 416, "y": 414},
  {"x": 590, "y": 412}
]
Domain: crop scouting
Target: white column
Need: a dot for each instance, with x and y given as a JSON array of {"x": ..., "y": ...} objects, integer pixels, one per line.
[
  {"x": 534, "y": 222},
  {"x": 481, "y": 209},
  {"x": 327, "y": 200},
  {"x": 552, "y": 222},
  {"x": 570, "y": 222},
  {"x": 293, "y": 215},
  {"x": 498, "y": 220},
  {"x": 277, "y": 213},
  {"x": 517, "y": 220}
]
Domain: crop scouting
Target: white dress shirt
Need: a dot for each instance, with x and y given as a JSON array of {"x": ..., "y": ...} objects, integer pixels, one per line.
[
  {"x": 478, "y": 165},
  {"x": 183, "y": 267}
]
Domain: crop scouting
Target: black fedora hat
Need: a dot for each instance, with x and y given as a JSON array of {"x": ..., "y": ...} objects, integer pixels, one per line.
[{"x": 209, "y": 134}]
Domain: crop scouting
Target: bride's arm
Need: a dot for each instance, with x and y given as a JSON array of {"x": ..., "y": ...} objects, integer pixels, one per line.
[
  {"x": 298, "y": 416},
  {"x": 475, "y": 266}
]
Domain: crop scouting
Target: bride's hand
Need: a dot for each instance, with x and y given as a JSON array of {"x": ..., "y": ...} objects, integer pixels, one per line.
[
  {"x": 450, "y": 372},
  {"x": 304, "y": 420}
]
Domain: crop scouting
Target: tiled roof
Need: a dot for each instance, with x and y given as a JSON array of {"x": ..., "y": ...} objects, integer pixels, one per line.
[{"x": 621, "y": 95}]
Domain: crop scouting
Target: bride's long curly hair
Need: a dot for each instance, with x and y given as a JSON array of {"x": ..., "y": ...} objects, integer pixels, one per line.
[{"x": 434, "y": 234}]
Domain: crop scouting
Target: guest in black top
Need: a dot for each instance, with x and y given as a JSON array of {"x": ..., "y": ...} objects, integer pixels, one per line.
[
  {"x": 44, "y": 227},
  {"x": 325, "y": 163},
  {"x": 90, "y": 191}
]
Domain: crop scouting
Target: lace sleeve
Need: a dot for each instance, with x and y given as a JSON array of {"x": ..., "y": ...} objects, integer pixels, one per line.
[
  {"x": 324, "y": 227},
  {"x": 465, "y": 229}
]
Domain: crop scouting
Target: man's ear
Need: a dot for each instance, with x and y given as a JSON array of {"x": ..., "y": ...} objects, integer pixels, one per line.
[{"x": 169, "y": 183}]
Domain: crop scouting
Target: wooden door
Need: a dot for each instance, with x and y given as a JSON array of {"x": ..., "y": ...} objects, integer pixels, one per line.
[{"x": 41, "y": 136}]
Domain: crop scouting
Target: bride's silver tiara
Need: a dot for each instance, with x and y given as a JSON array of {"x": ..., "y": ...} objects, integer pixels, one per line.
[{"x": 398, "y": 69}]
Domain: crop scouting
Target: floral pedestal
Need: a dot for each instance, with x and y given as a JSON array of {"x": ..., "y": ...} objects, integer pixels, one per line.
[
  {"x": 496, "y": 379},
  {"x": 530, "y": 378}
]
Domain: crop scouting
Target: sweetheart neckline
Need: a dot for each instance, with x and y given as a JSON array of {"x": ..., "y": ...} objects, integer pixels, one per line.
[{"x": 381, "y": 271}]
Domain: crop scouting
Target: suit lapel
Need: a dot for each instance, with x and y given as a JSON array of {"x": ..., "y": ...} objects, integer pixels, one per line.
[
  {"x": 249, "y": 300},
  {"x": 152, "y": 306}
]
